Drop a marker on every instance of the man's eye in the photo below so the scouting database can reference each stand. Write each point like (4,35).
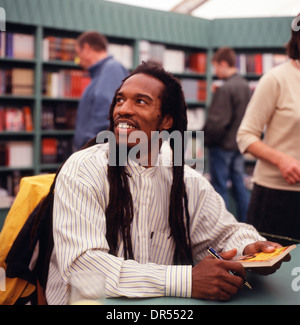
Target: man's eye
(120,100)
(141,101)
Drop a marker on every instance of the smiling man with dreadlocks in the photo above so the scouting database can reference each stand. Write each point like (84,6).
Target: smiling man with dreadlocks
(147,226)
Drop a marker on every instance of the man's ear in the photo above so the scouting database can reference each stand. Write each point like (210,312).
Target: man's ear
(167,122)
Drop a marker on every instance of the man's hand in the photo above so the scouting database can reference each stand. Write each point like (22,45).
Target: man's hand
(211,278)
(266,247)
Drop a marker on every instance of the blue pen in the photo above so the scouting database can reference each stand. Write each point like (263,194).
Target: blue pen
(219,257)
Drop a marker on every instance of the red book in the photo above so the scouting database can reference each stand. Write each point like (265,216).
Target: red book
(258,64)
(2,118)
(27,118)
(49,150)
(202,90)
(85,81)
(198,62)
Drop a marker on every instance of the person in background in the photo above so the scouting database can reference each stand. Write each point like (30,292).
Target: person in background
(225,113)
(147,226)
(106,75)
(270,131)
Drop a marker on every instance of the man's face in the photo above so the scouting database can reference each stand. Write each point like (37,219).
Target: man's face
(220,69)
(83,54)
(138,108)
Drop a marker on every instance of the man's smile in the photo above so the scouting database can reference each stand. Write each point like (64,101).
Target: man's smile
(123,125)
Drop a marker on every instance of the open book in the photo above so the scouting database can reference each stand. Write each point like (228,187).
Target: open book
(264,259)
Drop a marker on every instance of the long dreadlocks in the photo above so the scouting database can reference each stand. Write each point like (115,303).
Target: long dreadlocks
(119,212)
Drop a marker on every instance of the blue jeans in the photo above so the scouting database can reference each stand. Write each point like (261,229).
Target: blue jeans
(227,166)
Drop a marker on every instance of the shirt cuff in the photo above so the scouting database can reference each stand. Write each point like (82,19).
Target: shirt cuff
(179,281)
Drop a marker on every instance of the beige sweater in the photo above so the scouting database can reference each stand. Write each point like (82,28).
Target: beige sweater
(275,109)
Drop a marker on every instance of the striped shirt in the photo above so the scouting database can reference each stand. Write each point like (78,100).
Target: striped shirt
(79,228)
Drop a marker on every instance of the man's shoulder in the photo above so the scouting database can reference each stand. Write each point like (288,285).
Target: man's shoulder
(112,63)
(194,176)
(235,80)
(94,157)
(197,185)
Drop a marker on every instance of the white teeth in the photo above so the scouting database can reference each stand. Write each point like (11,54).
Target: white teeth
(125,126)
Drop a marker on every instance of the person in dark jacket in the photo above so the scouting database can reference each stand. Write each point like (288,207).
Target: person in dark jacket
(106,76)
(225,114)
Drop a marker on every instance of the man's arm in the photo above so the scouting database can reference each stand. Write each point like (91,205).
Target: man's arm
(214,226)
(211,278)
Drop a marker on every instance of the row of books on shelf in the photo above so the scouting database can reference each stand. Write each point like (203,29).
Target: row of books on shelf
(173,60)
(56,150)
(16,154)
(16,45)
(65,83)
(14,118)
(59,116)
(19,154)
(194,90)
(63,49)
(122,53)
(9,186)
(17,81)
(19,45)
(258,63)
(59,48)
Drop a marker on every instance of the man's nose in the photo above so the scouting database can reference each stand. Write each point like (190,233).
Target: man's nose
(127,108)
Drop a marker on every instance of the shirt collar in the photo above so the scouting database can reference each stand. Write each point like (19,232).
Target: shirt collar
(164,161)
(231,76)
(96,68)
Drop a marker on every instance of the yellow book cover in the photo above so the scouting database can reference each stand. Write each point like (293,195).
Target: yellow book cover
(264,259)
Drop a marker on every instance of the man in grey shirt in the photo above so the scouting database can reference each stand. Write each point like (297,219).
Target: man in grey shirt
(225,114)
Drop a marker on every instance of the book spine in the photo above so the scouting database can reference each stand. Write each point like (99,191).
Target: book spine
(9,45)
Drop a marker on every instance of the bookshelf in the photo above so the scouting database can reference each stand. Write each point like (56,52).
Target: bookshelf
(181,39)
(17,109)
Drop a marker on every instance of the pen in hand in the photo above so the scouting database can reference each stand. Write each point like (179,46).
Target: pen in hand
(217,256)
